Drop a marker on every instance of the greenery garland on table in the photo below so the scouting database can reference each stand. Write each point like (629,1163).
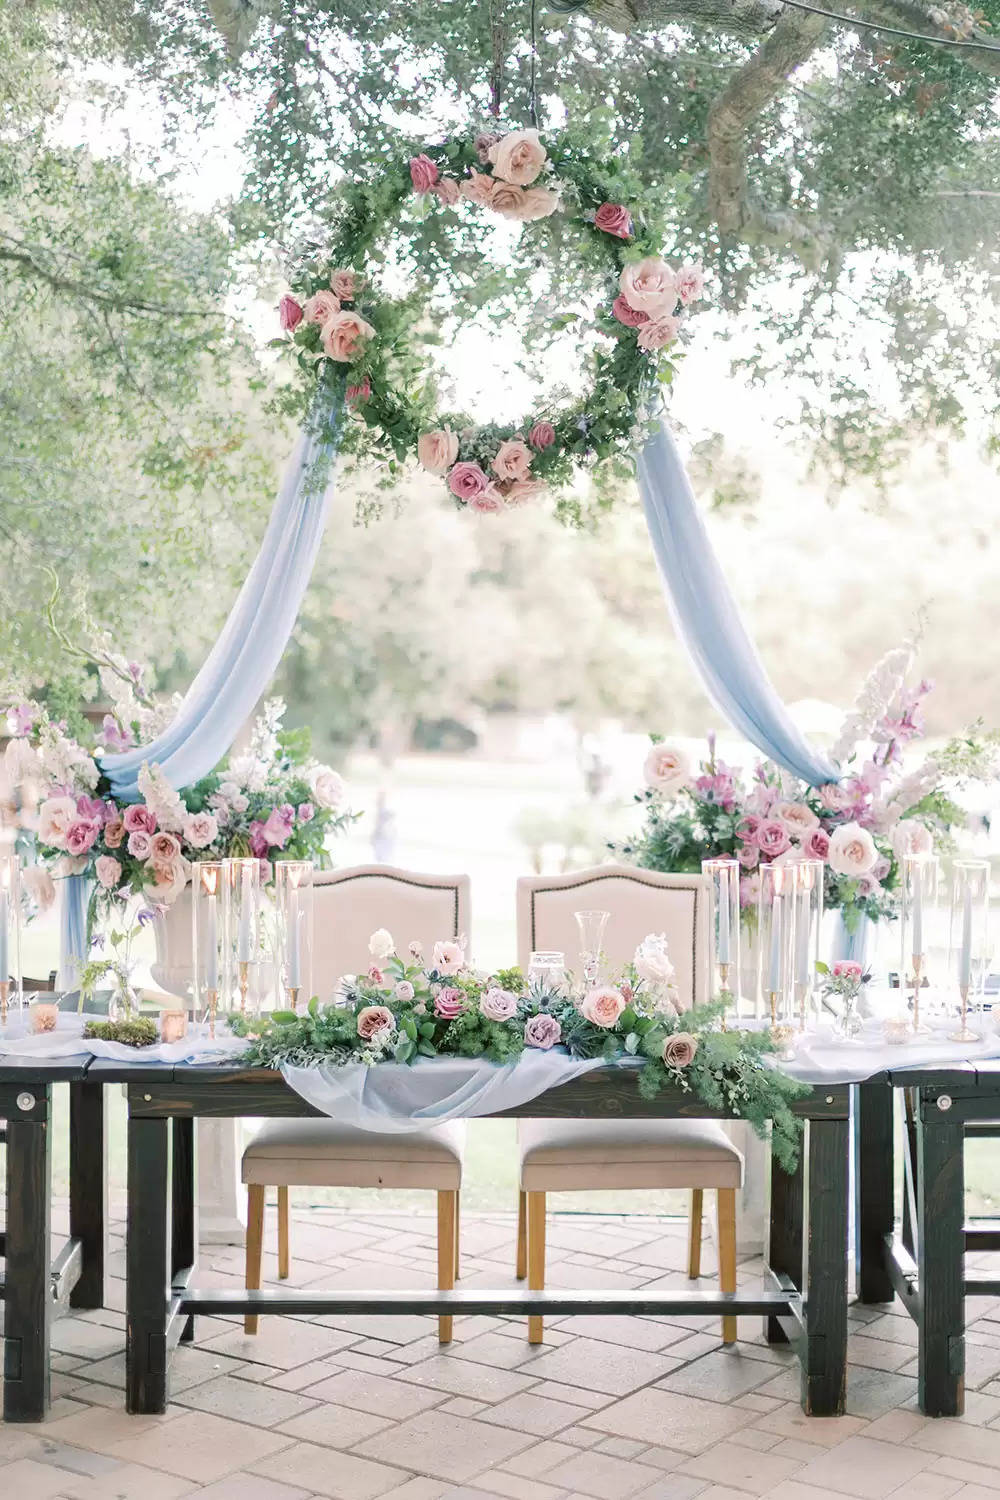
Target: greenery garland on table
(401,1010)
(341,320)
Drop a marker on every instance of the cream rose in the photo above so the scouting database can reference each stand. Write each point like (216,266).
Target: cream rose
(40,886)
(912,839)
(603,1006)
(538,203)
(344,335)
(666,769)
(513,459)
(437,450)
(326,786)
(518,157)
(798,819)
(852,851)
(649,286)
(652,962)
(447,957)
(201,829)
(55,818)
(381,945)
(170,881)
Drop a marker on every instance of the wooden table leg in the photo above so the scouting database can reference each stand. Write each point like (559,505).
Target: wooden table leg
(28,1291)
(874,1186)
(184,1219)
(785,1235)
(940,1256)
(147,1260)
(88,1189)
(823,1346)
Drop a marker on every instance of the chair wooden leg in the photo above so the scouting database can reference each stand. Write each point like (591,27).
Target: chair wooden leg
(447,1224)
(522,1237)
(535,1215)
(458,1235)
(694,1234)
(725,1200)
(283,1244)
(255,1247)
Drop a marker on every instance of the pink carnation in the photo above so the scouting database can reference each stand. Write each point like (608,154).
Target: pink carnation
(290,314)
(466,480)
(627,314)
(423,173)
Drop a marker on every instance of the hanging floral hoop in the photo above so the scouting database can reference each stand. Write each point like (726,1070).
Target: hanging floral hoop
(340,321)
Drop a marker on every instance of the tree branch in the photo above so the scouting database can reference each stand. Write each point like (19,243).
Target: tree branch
(747,19)
(951,23)
(761,80)
(14,252)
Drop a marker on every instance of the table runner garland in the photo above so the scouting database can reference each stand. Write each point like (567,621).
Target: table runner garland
(340,320)
(406,1008)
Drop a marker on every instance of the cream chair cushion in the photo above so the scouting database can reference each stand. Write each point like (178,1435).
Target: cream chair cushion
(326,1153)
(572,1155)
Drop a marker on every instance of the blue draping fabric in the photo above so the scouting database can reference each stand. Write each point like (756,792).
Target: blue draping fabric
(707,618)
(73,928)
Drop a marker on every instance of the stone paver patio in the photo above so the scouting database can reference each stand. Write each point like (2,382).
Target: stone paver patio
(609,1409)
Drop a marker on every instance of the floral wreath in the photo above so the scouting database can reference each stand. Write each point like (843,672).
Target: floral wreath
(341,323)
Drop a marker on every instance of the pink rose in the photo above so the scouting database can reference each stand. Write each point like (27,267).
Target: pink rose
(355,394)
(467,479)
(603,1006)
(614,219)
(447,191)
(170,880)
(489,502)
(108,871)
(748,855)
(258,843)
(114,832)
(847,968)
(164,850)
(201,829)
(290,314)
(628,315)
(345,285)
(835,798)
(817,845)
(649,286)
(513,459)
(447,957)
(523,490)
(345,336)
(772,838)
(497,1004)
(138,844)
(747,826)
(437,450)
(882,867)
(690,283)
(449,1002)
(320,307)
(542,435)
(81,836)
(139,819)
(679,1049)
(305,812)
(658,332)
(375,1018)
(423,173)
(477,188)
(375,976)
(518,157)
(542,1031)
(798,818)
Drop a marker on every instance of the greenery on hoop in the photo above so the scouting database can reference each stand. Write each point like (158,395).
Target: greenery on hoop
(389,385)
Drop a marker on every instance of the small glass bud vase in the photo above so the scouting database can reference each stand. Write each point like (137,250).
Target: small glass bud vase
(808,921)
(970,938)
(917,909)
(724,931)
(293,894)
(10,935)
(207,937)
(242,887)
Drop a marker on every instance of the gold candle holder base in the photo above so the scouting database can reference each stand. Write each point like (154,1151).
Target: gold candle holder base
(725,971)
(4,1000)
(292,991)
(213,1009)
(964,1032)
(919,1028)
(801,1000)
(244,978)
(774,996)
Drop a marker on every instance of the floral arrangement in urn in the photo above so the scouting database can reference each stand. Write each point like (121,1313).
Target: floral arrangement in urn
(860,826)
(272,801)
(410,1007)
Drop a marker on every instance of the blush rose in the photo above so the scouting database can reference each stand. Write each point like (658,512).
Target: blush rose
(518,157)
(603,1006)
(344,336)
(373,1019)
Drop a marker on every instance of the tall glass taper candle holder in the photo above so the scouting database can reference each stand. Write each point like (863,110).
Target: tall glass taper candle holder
(241,881)
(969,941)
(10,934)
(917,907)
(293,894)
(775,924)
(807,880)
(208,937)
(591,926)
(724,929)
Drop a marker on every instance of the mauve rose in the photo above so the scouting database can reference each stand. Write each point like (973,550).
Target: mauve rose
(518,157)
(658,332)
(138,819)
(489,502)
(690,283)
(542,435)
(447,191)
(163,849)
(108,872)
(114,832)
(868,885)
(603,1006)
(355,394)
(483,143)
(649,286)
(320,307)
(852,850)
(449,1002)
(679,1049)
(467,479)
(305,812)
(772,838)
(628,315)
(81,836)
(201,829)
(613,218)
(437,450)
(138,844)
(376,976)
(497,1004)
(258,843)
(423,173)
(834,797)
(513,459)
(345,335)
(290,314)
(345,285)
(277,830)
(817,844)
(542,1031)
(882,867)
(375,1018)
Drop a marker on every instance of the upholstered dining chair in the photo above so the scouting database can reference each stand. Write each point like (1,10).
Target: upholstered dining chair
(350,905)
(588,1155)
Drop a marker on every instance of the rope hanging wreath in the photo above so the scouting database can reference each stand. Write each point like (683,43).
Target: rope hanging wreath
(342,320)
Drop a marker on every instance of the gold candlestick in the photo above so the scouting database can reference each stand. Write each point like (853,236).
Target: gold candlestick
(293,995)
(920,1028)
(725,970)
(244,971)
(802,995)
(774,997)
(4,1000)
(782,1034)
(964,1032)
(213,1006)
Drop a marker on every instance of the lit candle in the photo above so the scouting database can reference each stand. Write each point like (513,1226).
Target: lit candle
(774,982)
(917,893)
(243,936)
(965,957)
(173,1025)
(802,933)
(44,1017)
(294,966)
(723,875)
(4,926)
(211,932)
